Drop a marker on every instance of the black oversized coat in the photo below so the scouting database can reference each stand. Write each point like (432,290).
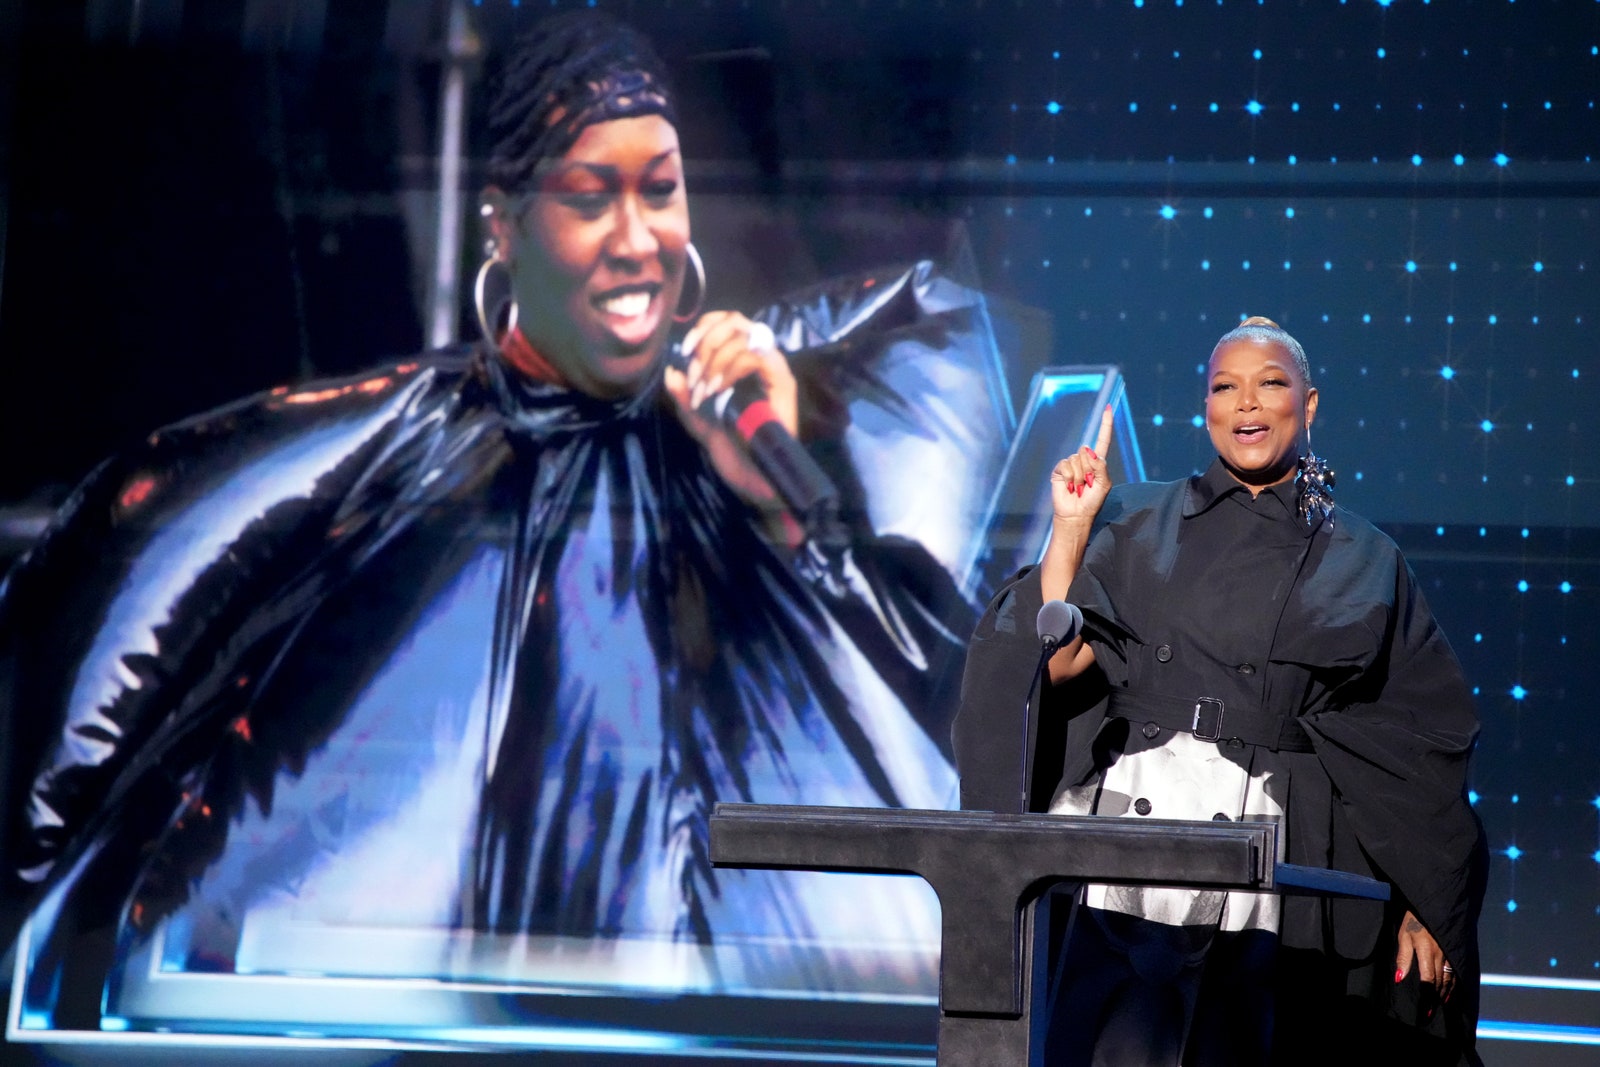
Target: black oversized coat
(1358,660)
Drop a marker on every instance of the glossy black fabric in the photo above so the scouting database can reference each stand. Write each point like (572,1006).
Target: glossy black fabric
(1183,584)
(281,623)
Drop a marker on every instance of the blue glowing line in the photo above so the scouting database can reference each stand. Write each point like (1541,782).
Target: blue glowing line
(1535,981)
(1560,1035)
(1056,384)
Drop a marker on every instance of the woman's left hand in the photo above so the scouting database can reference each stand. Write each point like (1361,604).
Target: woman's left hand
(1418,947)
(721,353)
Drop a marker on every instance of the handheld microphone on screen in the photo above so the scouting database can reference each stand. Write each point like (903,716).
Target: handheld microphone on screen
(802,485)
(1056,624)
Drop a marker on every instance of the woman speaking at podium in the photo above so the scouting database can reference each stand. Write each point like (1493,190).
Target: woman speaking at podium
(1250,651)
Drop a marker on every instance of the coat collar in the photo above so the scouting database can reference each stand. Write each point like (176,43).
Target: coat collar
(1204,490)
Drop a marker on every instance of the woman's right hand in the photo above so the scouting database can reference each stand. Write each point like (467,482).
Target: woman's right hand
(1078,487)
(1079,483)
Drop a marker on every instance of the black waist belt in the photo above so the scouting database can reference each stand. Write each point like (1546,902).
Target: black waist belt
(1208,720)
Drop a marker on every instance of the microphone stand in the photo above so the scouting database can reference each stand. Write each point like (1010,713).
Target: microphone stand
(1050,645)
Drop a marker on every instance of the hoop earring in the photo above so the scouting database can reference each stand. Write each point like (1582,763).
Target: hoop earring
(488,322)
(699,270)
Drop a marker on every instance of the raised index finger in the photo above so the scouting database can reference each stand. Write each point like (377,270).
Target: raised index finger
(1102,445)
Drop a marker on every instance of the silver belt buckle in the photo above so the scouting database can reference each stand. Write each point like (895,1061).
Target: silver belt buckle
(1207,724)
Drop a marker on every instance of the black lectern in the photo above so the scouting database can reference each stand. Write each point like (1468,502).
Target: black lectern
(987,869)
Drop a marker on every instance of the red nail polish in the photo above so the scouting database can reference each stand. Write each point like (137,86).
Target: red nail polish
(1398,974)
(1093,453)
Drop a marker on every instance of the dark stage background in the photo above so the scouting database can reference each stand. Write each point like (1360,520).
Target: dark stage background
(200,200)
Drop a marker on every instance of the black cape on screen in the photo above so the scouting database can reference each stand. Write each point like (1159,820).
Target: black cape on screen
(439,646)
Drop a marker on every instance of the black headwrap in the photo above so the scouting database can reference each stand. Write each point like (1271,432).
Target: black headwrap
(567,73)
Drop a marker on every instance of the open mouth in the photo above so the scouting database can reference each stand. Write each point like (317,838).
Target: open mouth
(630,312)
(1249,433)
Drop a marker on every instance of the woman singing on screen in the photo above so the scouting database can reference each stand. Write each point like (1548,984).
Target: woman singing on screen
(474,643)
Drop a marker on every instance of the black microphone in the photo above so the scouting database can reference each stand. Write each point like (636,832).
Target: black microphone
(802,485)
(1057,623)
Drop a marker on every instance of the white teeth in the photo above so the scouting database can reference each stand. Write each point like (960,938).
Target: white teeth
(627,305)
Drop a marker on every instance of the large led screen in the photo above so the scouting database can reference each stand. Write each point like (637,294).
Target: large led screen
(362,695)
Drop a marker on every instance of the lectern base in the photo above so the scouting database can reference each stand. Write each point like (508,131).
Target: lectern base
(994,874)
